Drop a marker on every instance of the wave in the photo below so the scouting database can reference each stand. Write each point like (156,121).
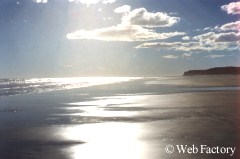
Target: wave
(38,85)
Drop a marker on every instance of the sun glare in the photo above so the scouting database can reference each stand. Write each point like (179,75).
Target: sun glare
(107,141)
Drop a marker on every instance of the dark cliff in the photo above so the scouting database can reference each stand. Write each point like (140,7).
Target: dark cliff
(214,71)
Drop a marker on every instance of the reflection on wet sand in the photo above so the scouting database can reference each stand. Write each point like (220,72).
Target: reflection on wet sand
(98,107)
(123,130)
(134,120)
(106,140)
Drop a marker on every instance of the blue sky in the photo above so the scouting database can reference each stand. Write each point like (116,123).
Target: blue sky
(62,38)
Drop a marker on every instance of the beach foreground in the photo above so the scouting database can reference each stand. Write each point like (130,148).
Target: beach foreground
(148,118)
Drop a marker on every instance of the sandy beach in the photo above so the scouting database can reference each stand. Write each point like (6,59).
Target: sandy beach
(131,120)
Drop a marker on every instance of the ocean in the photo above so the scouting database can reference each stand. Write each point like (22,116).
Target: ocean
(15,86)
(120,117)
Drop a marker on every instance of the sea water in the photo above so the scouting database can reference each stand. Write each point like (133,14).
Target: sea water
(15,86)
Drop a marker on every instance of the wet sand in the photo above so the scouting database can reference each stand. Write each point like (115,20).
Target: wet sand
(132,120)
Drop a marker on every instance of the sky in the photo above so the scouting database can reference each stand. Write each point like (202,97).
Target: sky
(66,38)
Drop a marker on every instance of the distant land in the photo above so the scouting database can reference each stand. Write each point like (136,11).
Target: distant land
(214,71)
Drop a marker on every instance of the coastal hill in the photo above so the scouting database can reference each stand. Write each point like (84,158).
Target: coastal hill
(214,71)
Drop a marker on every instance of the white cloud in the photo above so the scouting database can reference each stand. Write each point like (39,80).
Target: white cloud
(216,28)
(186,38)
(228,37)
(207,28)
(212,37)
(190,46)
(219,38)
(41,1)
(123,9)
(232,8)
(88,2)
(134,27)
(216,56)
(170,57)
(144,18)
(231,26)
(211,41)
(186,55)
(177,46)
(122,33)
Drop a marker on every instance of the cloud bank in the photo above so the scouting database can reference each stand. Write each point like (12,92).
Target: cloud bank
(232,8)
(122,33)
(144,18)
(135,26)
(205,42)
(231,26)
(123,9)
(219,38)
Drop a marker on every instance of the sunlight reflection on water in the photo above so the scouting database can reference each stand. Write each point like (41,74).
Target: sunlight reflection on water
(39,85)
(110,140)
(98,107)
(107,141)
